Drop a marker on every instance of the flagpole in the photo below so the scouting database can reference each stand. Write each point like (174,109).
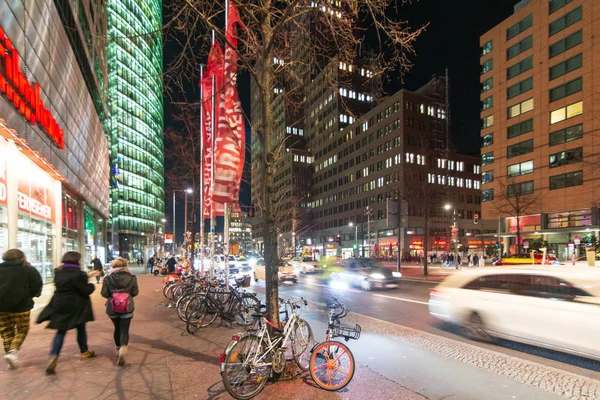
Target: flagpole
(227,210)
(212,175)
(201,174)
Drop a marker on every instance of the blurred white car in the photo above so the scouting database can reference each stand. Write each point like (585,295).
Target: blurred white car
(286,271)
(556,308)
(305,265)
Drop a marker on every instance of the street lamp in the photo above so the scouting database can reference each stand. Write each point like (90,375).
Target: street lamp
(351,224)
(454,235)
(186,191)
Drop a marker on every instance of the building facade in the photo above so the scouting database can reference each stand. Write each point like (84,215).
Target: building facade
(53,148)
(240,232)
(540,108)
(136,125)
(398,150)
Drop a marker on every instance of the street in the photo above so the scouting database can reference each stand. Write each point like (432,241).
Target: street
(415,367)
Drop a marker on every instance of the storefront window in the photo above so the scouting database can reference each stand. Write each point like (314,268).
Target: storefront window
(36,238)
(570,219)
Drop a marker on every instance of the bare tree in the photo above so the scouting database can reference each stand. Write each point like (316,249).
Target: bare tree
(515,199)
(183,156)
(303,34)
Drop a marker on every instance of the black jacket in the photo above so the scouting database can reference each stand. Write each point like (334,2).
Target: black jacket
(70,306)
(18,285)
(123,281)
(171,265)
(97,264)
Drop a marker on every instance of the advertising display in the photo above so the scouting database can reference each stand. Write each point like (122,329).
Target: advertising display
(36,190)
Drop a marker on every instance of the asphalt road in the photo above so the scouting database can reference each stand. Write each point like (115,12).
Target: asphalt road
(407,306)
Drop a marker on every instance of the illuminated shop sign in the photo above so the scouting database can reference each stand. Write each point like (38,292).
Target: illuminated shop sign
(25,97)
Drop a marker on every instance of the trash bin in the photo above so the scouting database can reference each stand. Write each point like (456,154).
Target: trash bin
(590,253)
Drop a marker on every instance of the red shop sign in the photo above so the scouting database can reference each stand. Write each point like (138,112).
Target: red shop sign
(25,97)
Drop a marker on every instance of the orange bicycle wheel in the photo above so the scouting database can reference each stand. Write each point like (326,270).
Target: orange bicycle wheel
(332,365)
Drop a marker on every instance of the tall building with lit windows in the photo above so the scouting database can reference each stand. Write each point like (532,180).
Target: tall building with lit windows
(136,125)
(540,116)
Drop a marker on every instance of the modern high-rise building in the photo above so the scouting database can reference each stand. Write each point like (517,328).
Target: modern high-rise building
(136,125)
(540,121)
(54,180)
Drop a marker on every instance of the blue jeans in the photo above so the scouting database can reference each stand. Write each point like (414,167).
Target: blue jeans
(57,343)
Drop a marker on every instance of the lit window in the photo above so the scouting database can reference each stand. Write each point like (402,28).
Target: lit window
(422,108)
(567,112)
(520,108)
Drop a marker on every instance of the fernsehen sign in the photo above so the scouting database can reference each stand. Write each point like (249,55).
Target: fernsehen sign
(25,97)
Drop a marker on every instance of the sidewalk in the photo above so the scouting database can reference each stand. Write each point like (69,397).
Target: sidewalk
(164,362)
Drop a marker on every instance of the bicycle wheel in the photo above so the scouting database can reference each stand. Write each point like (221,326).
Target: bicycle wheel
(243,308)
(166,288)
(241,378)
(302,340)
(200,316)
(332,365)
(184,303)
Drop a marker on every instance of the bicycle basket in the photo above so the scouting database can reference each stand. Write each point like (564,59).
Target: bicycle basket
(347,332)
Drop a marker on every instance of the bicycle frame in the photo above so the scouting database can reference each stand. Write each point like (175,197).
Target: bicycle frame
(283,338)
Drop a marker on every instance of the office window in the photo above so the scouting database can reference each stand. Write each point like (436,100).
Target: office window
(567,112)
(556,5)
(565,44)
(565,21)
(487,66)
(519,27)
(519,189)
(523,168)
(487,103)
(566,180)
(487,195)
(567,157)
(519,129)
(567,66)
(519,67)
(487,84)
(566,135)
(520,108)
(487,177)
(488,140)
(486,48)
(487,158)
(521,87)
(520,47)
(519,149)
(488,121)
(567,89)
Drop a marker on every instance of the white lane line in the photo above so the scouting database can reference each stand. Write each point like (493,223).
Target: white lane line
(401,299)
(327,286)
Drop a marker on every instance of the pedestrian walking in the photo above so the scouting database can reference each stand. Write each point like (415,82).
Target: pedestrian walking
(120,287)
(171,263)
(475,260)
(19,284)
(69,308)
(98,267)
(150,264)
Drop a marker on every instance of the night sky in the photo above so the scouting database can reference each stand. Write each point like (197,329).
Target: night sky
(450,41)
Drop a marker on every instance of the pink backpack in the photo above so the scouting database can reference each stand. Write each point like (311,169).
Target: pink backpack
(120,302)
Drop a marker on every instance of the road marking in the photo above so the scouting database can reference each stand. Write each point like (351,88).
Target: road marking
(401,299)
(327,286)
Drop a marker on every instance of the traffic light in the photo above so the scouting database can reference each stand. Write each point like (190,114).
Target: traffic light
(476,219)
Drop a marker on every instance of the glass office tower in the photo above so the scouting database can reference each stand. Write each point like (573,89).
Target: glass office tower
(136,125)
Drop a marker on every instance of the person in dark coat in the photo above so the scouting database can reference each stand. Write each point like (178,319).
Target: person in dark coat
(475,260)
(171,263)
(150,264)
(70,307)
(120,280)
(98,267)
(19,284)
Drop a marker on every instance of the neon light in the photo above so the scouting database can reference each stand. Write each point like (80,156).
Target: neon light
(25,97)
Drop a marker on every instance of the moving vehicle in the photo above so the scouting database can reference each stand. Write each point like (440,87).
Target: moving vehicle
(286,271)
(525,259)
(365,273)
(305,265)
(556,308)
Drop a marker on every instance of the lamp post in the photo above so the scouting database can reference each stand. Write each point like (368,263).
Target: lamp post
(369,214)
(454,235)
(351,224)
(294,242)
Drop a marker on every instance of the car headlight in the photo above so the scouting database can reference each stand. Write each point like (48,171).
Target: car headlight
(396,274)
(377,276)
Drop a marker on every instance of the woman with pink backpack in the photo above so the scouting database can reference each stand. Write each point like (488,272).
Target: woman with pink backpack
(120,287)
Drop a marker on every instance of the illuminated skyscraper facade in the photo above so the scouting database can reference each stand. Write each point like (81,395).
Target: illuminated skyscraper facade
(136,125)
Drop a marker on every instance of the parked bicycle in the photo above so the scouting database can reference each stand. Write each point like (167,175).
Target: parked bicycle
(251,358)
(332,363)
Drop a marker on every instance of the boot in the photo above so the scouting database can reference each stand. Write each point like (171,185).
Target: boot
(122,355)
(87,354)
(51,367)
(12,359)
